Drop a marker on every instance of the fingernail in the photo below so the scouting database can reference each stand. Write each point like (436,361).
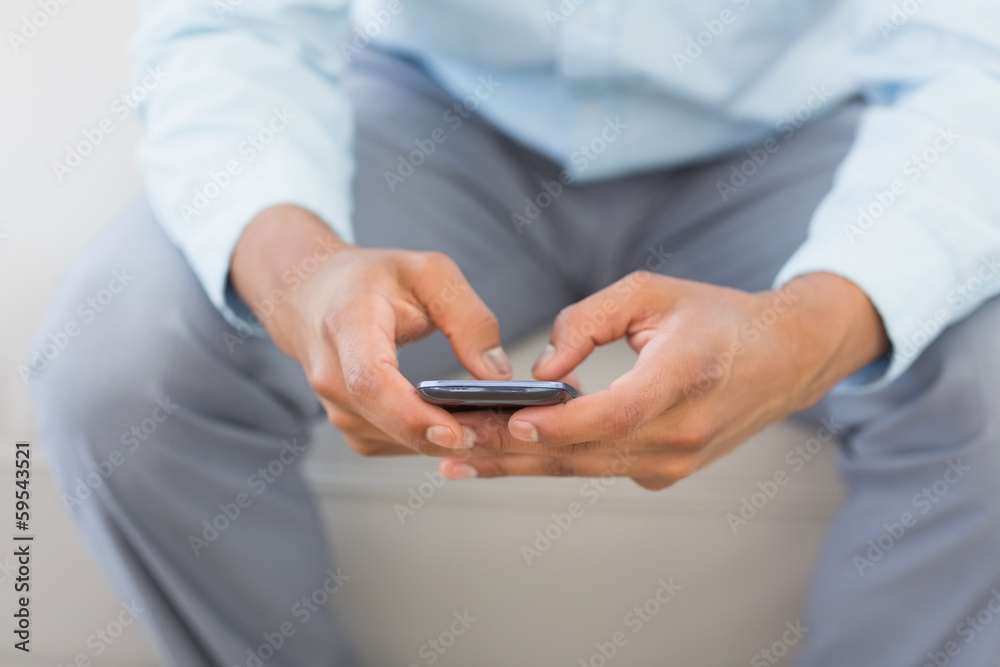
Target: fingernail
(442,437)
(457,471)
(544,356)
(468,437)
(497,360)
(524,431)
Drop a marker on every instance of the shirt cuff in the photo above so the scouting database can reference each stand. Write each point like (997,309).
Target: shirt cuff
(903,271)
(209,236)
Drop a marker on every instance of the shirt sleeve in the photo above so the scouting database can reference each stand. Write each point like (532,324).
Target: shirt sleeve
(244,110)
(913,217)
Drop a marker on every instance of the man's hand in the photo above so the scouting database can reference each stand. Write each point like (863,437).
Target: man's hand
(715,366)
(340,311)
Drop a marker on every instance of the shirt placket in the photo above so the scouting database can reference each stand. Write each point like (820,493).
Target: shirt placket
(586,48)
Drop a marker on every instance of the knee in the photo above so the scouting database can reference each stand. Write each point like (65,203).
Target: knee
(97,364)
(95,401)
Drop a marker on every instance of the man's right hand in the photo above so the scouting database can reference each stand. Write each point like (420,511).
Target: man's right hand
(341,311)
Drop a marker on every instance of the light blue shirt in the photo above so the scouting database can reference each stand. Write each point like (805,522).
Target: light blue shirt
(250,113)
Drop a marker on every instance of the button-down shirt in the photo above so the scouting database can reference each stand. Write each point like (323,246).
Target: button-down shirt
(244,109)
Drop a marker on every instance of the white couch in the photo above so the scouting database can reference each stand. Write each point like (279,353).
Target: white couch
(462,549)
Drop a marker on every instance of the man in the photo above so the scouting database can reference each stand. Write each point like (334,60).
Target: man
(782,205)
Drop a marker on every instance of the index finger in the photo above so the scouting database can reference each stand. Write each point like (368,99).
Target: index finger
(366,347)
(465,320)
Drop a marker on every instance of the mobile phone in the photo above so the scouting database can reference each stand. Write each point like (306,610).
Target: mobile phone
(482,394)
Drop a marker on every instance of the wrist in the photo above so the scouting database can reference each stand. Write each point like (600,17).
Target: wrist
(837,330)
(277,251)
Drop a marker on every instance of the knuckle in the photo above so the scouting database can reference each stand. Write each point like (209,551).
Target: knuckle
(324,382)
(627,287)
(703,373)
(412,438)
(486,322)
(343,421)
(689,439)
(410,431)
(698,387)
(495,422)
(557,434)
(500,445)
(435,261)
(640,276)
(425,448)
(366,447)
(565,318)
(492,469)
(336,318)
(362,385)
(693,433)
(676,469)
(582,448)
(624,419)
(363,382)
(492,435)
(557,466)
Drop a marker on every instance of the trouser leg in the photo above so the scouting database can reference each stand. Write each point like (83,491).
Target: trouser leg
(176,451)
(910,572)
(195,422)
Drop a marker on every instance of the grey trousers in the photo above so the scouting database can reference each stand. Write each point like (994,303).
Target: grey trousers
(155,391)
